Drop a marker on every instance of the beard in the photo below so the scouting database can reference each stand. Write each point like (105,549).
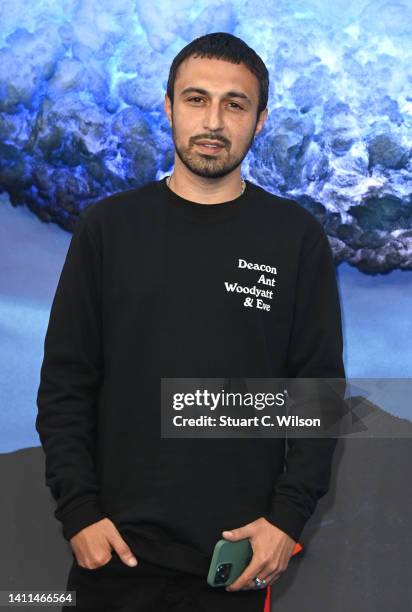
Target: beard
(210,166)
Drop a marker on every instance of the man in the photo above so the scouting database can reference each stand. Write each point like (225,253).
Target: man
(149,291)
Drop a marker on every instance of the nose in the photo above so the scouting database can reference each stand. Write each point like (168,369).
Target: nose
(213,118)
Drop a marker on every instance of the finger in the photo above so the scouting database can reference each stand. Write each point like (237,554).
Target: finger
(252,584)
(96,561)
(123,550)
(269,578)
(255,568)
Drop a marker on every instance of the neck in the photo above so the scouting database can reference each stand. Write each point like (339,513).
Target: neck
(206,190)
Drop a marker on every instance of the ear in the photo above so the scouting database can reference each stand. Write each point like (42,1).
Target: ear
(262,118)
(168,109)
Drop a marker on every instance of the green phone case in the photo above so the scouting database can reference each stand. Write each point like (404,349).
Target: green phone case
(237,554)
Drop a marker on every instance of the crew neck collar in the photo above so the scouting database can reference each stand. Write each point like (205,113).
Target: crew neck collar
(202,211)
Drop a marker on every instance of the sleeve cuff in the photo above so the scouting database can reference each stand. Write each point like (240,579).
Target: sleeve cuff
(81,516)
(288,519)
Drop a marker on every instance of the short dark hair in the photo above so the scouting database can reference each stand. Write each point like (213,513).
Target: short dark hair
(222,45)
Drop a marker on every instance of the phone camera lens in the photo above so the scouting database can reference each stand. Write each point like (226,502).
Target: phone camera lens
(222,573)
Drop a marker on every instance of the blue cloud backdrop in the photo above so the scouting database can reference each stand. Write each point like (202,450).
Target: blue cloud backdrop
(81,116)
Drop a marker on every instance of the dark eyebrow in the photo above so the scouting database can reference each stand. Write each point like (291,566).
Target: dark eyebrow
(228,94)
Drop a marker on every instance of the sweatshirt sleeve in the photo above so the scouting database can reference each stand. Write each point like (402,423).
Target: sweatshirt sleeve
(69,382)
(315,351)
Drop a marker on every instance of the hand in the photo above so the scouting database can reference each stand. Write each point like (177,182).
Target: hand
(93,545)
(272,550)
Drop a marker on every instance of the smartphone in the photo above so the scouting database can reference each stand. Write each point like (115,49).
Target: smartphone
(229,560)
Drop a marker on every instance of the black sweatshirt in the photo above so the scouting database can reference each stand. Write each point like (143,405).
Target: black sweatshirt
(141,296)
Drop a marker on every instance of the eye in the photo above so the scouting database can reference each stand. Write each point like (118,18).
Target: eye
(194,98)
(237,105)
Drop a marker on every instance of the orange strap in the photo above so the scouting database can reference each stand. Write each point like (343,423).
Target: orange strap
(266,608)
(267,600)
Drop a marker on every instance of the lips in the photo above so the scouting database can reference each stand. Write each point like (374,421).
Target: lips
(209,150)
(210,144)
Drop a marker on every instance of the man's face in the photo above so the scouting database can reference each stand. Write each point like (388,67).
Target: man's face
(221,105)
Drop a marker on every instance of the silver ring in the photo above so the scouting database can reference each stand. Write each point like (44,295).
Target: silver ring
(259,582)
